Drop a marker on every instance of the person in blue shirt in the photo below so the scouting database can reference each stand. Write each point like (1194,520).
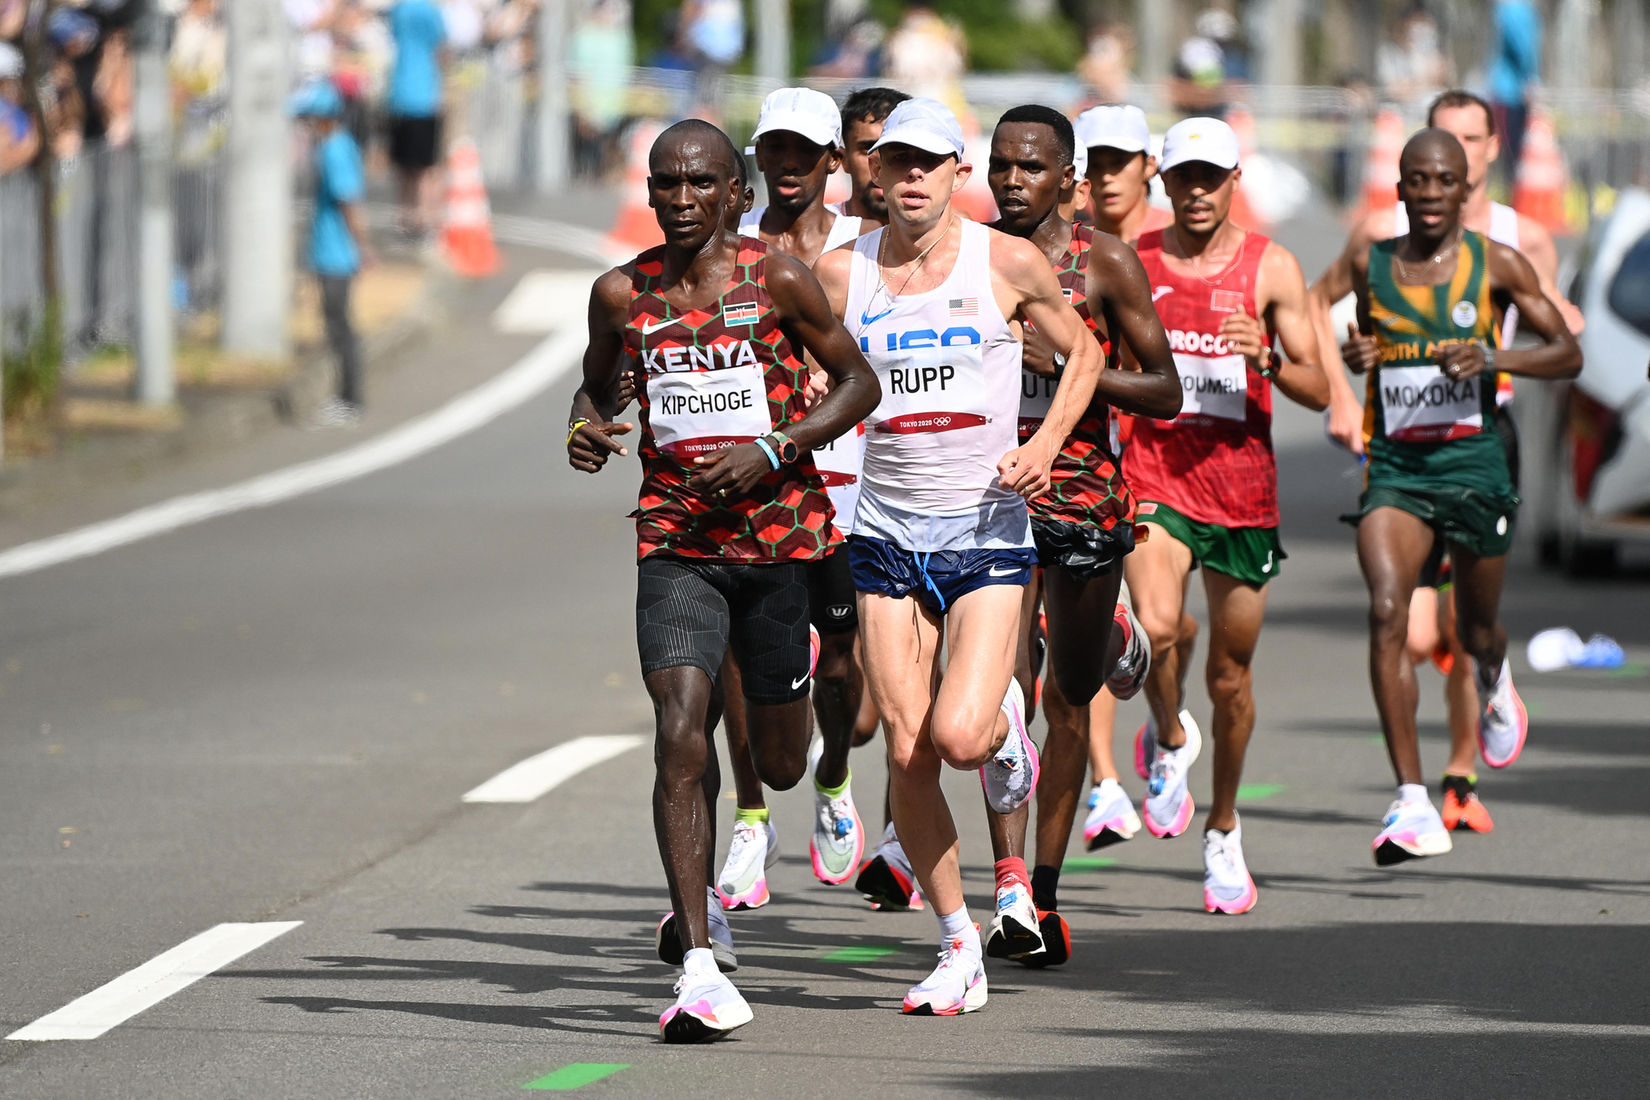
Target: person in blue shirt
(1515,64)
(415,102)
(337,238)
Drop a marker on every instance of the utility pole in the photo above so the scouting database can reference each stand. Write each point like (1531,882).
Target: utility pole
(1280,58)
(773,43)
(555,142)
(257,229)
(1154,17)
(152,121)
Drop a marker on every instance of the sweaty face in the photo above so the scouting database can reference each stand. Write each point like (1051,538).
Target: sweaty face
(1201,194)
(795,168)
(692,191)
(1433,186)
(1027,172)
(1471,127)
(1120,180)
(916,183)
(856,161)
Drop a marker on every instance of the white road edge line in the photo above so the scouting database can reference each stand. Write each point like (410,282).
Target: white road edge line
(532,374)
(116,1002)
(537,775)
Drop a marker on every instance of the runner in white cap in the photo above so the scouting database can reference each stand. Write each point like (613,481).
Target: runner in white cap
(942,542)
(1118,144)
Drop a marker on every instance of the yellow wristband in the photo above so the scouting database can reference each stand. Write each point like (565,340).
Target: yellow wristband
(573,428)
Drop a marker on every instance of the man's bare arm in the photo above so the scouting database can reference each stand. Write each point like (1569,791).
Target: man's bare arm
(591,444)
(1560,356)
(1120,292)
(1282,288)
(805,309)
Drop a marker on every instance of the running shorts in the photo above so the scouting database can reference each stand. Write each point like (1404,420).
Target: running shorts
(1085,552)
(1252,555)
(831,597)
(1436,572)
(692,611)
(937,579)
(415,142)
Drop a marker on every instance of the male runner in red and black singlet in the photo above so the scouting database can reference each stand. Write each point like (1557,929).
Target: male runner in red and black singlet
(1084,524)
(1207,481)
(729,509)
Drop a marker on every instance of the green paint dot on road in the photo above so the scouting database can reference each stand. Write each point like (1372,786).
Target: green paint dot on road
(860,953)
(1087,863)
(1254,792)
(1630,670)
(575,1076)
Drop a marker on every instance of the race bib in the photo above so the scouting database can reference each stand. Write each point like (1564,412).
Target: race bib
(1423,405)
(931,389)
(1036,398)
(1216,386)
(694,413)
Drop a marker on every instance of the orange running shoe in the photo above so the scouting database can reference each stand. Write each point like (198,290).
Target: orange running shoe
(1462,810)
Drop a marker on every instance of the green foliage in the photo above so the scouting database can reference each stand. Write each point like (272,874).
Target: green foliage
(31,375)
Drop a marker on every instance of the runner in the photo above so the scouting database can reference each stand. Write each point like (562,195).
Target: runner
(1207,481)
(1084,525)
(862,118)
(1426,335)
(798,146)
(1432,613)
(727,514)
(942,541)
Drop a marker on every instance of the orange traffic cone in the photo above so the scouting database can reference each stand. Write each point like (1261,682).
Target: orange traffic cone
(1381,169)
(1243,212)
(636,229)
(468,238)
(1539,190)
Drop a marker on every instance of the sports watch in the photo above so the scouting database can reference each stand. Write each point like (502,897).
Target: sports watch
(783,447)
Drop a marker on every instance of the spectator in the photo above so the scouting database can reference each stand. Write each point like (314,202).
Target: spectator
(19,137)
(338,238)
(311,22)
(1515,65)
(714,31)
(1410,66)
(13,15)
(926,56)
(200,53)
(360,59)
(113,87)
(599,56)
(856,55)
(1108,63)
(415,104)
(1205,66)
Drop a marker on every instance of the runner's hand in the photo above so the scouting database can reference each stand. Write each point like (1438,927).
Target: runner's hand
(1359,352)
(1461,361)
(1025,470)
(1036,352)
(593,444)
(628,386)
(731,472)
(1247,337)
(1346,423)
(815,388)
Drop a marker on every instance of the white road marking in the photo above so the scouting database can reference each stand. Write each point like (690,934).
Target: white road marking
(532,374)
(118,1001)
(542,301)
(548,770)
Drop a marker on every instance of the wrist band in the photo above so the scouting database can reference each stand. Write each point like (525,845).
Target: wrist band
(573,428)
(1269,368)
(773,455)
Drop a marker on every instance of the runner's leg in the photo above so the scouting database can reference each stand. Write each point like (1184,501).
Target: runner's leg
(1392,546)
(1460,697)
(1235,613)
(683,815)
(747,787)
(1102,728)
(1478,583)
(1157,571)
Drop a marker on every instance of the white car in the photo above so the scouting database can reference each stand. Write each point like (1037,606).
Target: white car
(1586,442)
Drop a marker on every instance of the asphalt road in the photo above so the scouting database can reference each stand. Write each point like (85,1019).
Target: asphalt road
(273,716)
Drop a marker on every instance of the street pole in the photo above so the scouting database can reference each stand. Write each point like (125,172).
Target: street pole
(555,141)
(1153,18)
(152,124)
(1280,59)
(257,228)
(773,43)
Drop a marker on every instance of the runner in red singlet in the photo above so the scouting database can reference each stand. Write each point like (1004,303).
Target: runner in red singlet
(1207,481)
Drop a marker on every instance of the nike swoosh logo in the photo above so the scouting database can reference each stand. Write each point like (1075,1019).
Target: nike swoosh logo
(1001,571)
(657,325)
(1267,568)
(867,319)
(799,682)
(1160,291)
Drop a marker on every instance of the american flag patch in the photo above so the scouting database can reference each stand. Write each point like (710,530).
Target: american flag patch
(740,313)
(964,307)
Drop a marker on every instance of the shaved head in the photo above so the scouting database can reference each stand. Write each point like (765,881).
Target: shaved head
(1433,142)
(696,132)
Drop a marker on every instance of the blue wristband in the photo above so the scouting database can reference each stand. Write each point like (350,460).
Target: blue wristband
(767,449)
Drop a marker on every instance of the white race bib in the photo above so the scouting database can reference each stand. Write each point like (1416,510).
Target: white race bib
(697,412)
(1036,398)
(1423,405)
(1215,386)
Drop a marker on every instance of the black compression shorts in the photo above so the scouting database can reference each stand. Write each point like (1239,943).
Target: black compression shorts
(832,601)
(1087,552)
(691,612)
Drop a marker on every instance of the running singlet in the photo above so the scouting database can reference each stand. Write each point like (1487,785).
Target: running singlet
(950,371)
(711,379)
(1214,462)
(1503,228)
(839,463)
(843,228)
(1412,406)
(1086,486)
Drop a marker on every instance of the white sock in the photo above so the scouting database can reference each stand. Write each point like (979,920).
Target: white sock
(699,961)
(958,926)
(1412,792)
(1108,785)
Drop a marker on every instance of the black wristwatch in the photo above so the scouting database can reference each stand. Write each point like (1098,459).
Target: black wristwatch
(784,447)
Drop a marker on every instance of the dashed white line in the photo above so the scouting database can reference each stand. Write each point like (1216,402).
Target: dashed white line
(548,770)
(116,1002)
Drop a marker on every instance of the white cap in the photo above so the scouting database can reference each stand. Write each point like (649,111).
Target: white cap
(925,124)
(1113,128)
(804,111)
(1199,139)
(11,62)
(1080,161)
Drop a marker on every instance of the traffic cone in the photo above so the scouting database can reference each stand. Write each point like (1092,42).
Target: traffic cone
(1244,212)
(636,229)
(1539,189)
(468,237)
(1381,170)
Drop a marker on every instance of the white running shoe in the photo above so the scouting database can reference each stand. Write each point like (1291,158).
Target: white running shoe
(1015,930)
(1168,804)
(1136,660)
(886,880)
(1502,721)
(1227,887)
(1111,818)
(839,837)
(1011,775)
(668,941)
(743,883)
(1410,830)
(956,986)
(707,1007)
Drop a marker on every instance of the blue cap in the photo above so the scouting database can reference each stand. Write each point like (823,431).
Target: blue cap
(317,99)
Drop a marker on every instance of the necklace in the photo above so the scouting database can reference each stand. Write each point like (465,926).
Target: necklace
(1197,261)
(1410,275)
(882,252)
